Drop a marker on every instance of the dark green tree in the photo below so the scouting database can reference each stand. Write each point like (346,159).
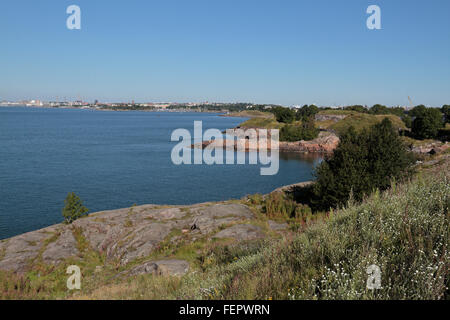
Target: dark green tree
(417,111)
(361,163)
(284,115)
(358,108)
(407,120)
(427,123)
(306,131)
(73,208)
(379,109)
(446,111)
(306,112)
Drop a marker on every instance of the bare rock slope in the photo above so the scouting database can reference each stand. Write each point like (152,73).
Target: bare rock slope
(125,235)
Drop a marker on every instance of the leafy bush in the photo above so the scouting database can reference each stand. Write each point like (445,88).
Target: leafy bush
(305,131)
(380,109)
(278,205)
(407,120)
(357,108)
(446,111)
(417,111)
(281,205)
(306,112)
(255,199)
(361,163)
(284,115)
(362,121)
(427,123)
(73,208)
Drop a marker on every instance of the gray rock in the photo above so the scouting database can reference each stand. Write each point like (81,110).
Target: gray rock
(328,117)
(241,232)
(277,226)
(19,251)
(64,247)
(123,235)
(161,267)
(140,242)
(209,218)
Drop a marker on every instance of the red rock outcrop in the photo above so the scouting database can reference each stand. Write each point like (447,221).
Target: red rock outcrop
(326,142)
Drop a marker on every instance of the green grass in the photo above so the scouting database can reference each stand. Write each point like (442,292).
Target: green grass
(265,123)
(251,114)
(361,120)
(354,118)
(338,112)
(417,143)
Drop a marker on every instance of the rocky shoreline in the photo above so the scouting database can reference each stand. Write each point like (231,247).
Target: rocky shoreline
(124,236)
(325,143)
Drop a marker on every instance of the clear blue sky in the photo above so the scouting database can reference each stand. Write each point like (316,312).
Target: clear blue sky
(286,52)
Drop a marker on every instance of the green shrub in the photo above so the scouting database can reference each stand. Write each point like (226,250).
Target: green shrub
(284,115)
(427,123)
(278,205)
(357,108)
(303,212)
(407,120)
(380,109)
(73,208)
(306,112)
(281,205)
(255,199)
(306,131)
(361,163)
(446,111)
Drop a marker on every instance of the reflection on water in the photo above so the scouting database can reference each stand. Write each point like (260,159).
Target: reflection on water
(312,158)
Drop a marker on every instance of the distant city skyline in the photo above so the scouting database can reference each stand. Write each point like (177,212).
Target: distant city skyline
(268,52)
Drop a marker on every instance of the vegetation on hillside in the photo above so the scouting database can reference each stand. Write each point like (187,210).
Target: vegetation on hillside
(360,121)
(419,123)
(427,122)
(306,112)
(304,131)
(361,163)
(446,111)
(250,114)
(404,231)
(265,123)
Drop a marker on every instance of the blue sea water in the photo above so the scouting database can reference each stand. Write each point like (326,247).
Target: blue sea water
(113,160)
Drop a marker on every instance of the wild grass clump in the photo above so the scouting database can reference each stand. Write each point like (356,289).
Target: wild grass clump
(255,199)
(279,205)
(219,254)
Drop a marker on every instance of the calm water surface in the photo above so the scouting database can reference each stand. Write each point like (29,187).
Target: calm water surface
(113,160)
